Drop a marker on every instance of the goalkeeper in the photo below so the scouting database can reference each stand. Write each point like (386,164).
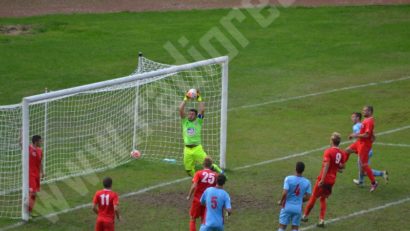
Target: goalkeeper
(191,132)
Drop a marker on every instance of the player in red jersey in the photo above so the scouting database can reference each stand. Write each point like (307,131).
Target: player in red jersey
(363,144)
(35,170)
(333,161)
(202,180)
(106,207)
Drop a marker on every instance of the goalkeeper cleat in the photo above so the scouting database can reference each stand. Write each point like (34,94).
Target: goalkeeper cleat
(321,223)
(357,182)
(386,176)
(304,218)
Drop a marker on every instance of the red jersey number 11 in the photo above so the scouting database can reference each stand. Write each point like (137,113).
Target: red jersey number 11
(105,199)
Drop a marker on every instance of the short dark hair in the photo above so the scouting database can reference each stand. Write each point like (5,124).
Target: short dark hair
(35,139)
(300,167)
(370,108)
(107,182)
(335,138)
(194,110)
(208,162)
(358,115)
(221,180)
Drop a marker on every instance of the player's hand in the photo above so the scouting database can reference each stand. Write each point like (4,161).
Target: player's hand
(227,214)
(321,183)
(186,96)
(373,138)
(188,198)
(279,202)
(198,95)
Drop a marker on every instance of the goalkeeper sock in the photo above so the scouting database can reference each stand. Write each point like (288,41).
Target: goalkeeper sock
(217,169)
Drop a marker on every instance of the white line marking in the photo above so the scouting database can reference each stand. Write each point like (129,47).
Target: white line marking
(395,145)
(361,212)
(319,93)
(144,190)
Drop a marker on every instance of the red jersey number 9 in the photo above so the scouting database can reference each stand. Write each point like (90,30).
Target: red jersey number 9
(338,158)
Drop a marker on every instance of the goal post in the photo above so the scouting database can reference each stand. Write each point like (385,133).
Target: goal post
(138,111)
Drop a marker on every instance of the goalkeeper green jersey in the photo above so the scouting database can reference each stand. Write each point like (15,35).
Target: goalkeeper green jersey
(191,131)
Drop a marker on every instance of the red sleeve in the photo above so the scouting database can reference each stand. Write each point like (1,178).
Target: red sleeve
(95,199)
(196,177)
(326,156)
(115,200)
(345,156)
(369,125)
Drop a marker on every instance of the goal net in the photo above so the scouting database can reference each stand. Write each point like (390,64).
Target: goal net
(94,127)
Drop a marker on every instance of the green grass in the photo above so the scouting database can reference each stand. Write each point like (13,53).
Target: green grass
(306,50)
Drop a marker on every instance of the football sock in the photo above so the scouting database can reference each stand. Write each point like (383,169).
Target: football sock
(361,177)
(377,172)
(216,168)
(192,225)
(32,200)
(310,205)
(369,172)
(322,208)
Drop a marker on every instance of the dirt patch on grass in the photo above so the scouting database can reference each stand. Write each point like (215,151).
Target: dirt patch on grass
(178,200)
(163,199)
(244,202)
(15,29)
(21,8)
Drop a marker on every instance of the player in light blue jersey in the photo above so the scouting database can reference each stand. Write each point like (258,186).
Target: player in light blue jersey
(216,201)
(357,125)
(296,190)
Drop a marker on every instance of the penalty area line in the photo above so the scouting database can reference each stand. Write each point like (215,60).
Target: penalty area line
(359,213)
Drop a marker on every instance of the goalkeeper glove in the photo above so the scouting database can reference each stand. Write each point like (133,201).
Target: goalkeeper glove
(186,96)
(198,96)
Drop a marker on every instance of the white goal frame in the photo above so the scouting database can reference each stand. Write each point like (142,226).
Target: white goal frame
(66,92)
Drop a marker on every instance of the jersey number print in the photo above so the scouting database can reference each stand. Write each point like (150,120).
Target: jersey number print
(107,199)
(208,178)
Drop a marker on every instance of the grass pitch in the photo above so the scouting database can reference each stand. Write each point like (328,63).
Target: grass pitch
(304,51)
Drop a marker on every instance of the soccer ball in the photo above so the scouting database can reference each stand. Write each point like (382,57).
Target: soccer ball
(192,93)
(135,154)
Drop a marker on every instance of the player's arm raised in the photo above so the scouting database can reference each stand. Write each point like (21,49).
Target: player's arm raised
(182,106)
(201,105)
